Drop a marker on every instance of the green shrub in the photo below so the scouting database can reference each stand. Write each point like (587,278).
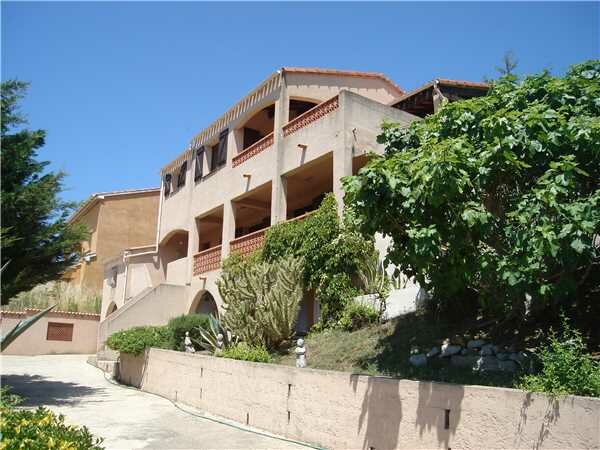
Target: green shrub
(262,301)
(40,429)
(136,340)
(358,315)
(332,252)
(566,367)
(186,322)
(246,352)
(496,196)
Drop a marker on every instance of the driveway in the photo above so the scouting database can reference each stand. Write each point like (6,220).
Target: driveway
(125,418)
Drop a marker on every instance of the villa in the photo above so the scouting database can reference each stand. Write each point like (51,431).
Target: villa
(270,158)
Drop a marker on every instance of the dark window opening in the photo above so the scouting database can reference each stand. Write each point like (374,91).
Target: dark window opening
(251,136)
(181,175)
(199,163)
(219,151)
(167,184)
(299,107)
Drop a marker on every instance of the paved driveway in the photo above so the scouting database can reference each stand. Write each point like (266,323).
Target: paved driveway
(126,418)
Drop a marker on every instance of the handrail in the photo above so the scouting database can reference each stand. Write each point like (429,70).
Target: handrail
(311,115)
(248,243)
(260,145)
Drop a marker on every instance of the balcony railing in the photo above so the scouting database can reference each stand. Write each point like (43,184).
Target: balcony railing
(207,260)
(310,116)
(249,243)
(253,150)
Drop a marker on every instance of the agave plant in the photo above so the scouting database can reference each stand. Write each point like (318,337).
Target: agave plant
(209,336)
(20,328)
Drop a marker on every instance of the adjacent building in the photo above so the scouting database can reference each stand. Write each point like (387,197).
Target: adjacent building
(270,158)
(115,220)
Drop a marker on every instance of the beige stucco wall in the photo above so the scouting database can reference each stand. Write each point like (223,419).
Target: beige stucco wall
(343,411)
(33,341)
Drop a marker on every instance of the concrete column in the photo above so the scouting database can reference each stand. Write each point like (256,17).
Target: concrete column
(228,227)
(278,188)
(193,240)
(343,151)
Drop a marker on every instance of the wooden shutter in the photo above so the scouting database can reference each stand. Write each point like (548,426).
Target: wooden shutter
(167,184)
(199,163)
(59,331)
(222,150)
(181,175)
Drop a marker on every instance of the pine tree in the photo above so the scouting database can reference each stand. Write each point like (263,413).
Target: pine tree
(37,242)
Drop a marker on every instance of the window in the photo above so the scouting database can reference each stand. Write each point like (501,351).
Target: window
(113,277)
(181,175)
(167,184)
(59,331)
(199,163)
(219,151)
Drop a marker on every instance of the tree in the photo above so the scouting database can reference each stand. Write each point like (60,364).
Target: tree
(496,198)
(37,242)
(509,64)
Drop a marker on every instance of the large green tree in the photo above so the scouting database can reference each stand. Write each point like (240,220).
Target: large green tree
(496,198)
(37,242)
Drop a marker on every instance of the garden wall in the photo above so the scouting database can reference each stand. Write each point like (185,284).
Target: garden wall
(343,411)
(58,332)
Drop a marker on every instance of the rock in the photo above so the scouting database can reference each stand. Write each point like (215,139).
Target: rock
(475,343)
(458,340)
(449,350)
(502,356)
(507,366)
(469,362)
(434,351)
(519,357)
(487,350)
(487,364)
(419,360)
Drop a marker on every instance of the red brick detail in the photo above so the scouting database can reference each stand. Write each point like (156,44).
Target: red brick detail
(249,243)
(312,115)
(253,150)
(207,260)
(59,331)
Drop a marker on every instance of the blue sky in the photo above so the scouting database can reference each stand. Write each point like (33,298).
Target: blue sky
(121,88)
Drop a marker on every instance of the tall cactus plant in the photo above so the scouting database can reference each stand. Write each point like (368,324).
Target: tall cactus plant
(262,301)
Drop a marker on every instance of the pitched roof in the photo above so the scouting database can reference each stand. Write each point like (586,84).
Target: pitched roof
(445,82)
(98,196)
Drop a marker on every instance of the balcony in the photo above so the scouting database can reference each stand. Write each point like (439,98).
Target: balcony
(310,116)
(253,150)
(207,260)
(248,243)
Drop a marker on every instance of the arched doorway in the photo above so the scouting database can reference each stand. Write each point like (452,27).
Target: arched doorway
(204,303)
(173,248)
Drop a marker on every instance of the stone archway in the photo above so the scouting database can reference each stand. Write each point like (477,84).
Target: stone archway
(204,303)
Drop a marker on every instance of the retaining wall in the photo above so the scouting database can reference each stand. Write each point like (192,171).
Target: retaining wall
(38,341)
(344,411)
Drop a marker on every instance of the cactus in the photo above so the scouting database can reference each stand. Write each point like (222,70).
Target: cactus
(262,300)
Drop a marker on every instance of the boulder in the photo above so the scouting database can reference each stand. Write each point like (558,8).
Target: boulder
(502,356)
(465,362)
(487,350)
(475,343)
(449,350)
(488,364)
(419,360)
(434,351)
(507,366)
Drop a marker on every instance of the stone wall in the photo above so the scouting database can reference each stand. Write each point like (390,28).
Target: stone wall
(344,411)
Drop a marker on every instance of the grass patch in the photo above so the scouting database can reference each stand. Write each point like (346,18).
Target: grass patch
(384,349)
